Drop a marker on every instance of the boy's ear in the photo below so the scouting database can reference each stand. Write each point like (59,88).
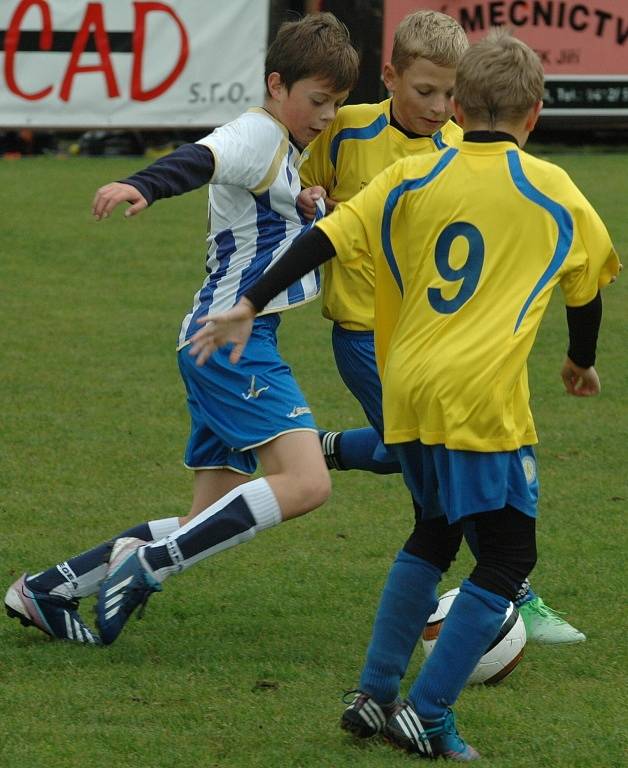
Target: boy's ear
(389,76)
(459,114)
(533,116)
(275,85)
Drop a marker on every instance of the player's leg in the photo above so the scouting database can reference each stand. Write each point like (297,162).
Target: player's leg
(211,485)
(49,600)
(298,482)
(543,624)
(508,554)
(407,600)
(354,352)
(255,404)
(468,483)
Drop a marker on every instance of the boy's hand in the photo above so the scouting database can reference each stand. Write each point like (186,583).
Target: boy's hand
(307,198)
(581,382)
(231,327)
(111,195)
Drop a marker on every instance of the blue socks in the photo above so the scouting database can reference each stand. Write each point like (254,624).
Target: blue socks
(408,599)
(470,627)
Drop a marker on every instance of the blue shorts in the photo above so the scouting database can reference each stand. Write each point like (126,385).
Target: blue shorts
(234,408)
(354,352)
(462,483)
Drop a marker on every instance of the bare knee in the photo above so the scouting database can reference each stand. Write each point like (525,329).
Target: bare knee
(300,493)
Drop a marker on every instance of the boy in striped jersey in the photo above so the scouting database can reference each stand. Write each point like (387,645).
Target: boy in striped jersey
(238,414)
(362,140)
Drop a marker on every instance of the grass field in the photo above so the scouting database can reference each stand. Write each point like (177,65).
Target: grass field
(242,661)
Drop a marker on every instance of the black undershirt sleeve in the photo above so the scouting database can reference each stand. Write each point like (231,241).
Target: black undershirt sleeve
(584,324)
(189,167)
(307,252)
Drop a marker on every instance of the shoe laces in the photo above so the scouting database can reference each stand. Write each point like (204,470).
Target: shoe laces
(538,606)
(348,697)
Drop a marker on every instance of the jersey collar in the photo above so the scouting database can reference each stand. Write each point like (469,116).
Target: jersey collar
(489,136)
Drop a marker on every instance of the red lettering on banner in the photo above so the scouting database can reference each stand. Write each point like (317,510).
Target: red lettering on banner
(93,20)
(142,9)
(12,42)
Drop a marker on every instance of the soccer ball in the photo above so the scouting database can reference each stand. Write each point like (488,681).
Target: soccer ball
(501,657)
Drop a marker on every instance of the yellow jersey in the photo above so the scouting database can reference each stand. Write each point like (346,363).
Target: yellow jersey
(359,144)
(467,245)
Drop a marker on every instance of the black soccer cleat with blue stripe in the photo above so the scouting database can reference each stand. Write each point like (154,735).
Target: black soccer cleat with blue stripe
(428,738)
(54,615)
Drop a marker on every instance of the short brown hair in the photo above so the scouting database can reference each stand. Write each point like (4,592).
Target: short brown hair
(499,78)
(318,45)
(428,35)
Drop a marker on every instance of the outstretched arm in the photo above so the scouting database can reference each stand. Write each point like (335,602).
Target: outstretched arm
(187,168)
(234,326)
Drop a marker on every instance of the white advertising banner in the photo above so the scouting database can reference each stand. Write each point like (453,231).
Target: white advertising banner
(130,63)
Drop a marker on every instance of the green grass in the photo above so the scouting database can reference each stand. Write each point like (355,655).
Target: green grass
(242,661)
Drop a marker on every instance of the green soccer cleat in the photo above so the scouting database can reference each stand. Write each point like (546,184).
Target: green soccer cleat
(544,625)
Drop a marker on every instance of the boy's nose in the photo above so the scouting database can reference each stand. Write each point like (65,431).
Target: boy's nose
(440,104)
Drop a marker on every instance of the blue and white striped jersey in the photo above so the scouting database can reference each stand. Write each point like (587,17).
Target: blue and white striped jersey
(253,216)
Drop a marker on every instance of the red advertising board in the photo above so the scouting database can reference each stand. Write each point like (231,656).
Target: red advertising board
(583,45)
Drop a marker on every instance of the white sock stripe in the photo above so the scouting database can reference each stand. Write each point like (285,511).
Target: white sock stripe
(109,614)
(262,503)
(159,529)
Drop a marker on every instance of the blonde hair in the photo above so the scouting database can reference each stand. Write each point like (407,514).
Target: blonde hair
(318,45)
(428,35)
(499,79)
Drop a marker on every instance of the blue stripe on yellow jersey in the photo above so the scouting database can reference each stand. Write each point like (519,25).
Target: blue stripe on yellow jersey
(467,246)
(560,214)
(359,144)
(391,202)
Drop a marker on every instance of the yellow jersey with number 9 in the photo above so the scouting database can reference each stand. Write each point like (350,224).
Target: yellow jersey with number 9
(467,246)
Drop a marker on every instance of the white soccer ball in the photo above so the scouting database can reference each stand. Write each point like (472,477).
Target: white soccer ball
(501,657)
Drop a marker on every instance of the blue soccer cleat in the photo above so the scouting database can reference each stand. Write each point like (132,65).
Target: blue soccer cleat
(56,616)
(428,738)
(127,585)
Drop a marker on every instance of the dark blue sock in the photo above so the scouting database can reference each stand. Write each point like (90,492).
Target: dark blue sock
(86,562)
(363,449)
(408,599)
(472,624)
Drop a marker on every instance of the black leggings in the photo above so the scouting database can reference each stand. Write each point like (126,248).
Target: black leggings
(506,547)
